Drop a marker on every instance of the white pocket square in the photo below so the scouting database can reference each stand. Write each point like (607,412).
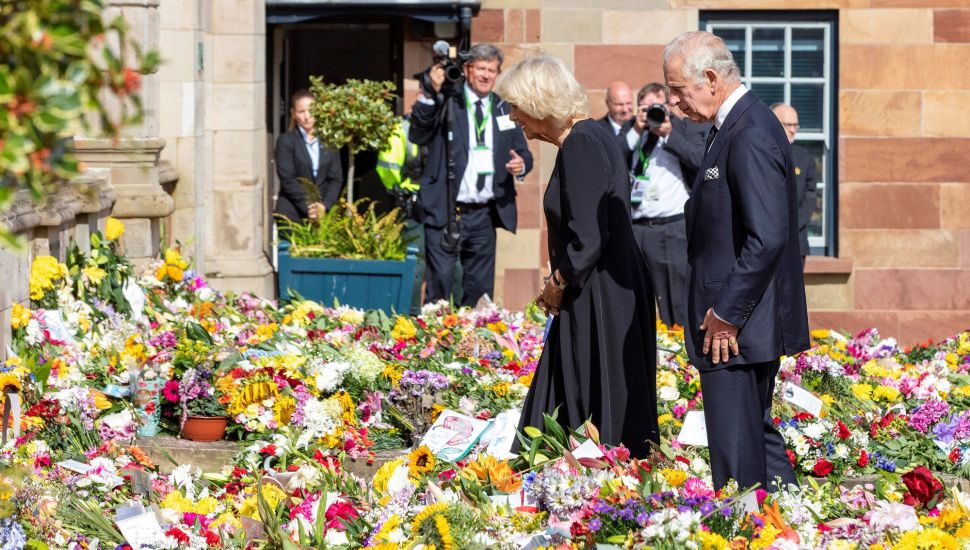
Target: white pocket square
(711,174)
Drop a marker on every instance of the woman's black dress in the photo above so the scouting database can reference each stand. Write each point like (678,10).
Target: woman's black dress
(599,360)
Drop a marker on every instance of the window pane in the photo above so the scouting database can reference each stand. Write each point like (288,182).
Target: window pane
(807,100)
(734,39)
(807,52)
(768,52)
(769,93)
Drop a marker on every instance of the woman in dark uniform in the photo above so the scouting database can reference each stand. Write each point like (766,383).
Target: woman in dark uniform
(599,361)
(299,154)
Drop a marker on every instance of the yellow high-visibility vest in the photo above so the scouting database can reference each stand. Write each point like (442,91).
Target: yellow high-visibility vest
(391,161)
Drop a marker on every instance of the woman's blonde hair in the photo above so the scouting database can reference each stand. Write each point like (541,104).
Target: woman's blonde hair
(542,87)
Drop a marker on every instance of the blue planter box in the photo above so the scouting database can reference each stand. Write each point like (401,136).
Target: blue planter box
(364,284)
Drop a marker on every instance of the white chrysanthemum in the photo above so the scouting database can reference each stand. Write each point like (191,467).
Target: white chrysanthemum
(815,430)
(35,332)
(328,376)
(319,420)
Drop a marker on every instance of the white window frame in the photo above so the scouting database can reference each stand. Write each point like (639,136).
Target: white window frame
(826,137)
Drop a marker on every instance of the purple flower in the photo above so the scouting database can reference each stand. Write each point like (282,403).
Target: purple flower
(927,414)
(595,524)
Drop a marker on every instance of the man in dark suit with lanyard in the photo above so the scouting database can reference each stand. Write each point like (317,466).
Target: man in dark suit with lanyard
(746,304)
(663,163)
(490,153)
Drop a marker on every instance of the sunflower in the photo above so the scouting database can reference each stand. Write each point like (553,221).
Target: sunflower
(444,530)
(284,409)
(9,380)
(254,391)
(420,461)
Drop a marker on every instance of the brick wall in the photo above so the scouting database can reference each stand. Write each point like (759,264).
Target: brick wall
(904,189)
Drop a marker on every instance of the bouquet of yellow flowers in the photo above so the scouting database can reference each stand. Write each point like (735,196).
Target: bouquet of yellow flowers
(46,276)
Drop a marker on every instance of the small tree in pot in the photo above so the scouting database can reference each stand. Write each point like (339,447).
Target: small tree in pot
(357,115)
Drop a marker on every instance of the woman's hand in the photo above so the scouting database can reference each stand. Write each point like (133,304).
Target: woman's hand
(550,298)
(315,210)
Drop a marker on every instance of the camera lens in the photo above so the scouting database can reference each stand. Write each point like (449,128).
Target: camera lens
(656,114)
(453,72)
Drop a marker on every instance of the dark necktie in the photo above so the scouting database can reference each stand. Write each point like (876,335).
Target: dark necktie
(480,136)
(710,138)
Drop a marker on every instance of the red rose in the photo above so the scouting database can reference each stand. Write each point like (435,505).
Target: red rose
(842,431)
(268,450)
(791,457)
(925,488)
(863,459)
(822,468)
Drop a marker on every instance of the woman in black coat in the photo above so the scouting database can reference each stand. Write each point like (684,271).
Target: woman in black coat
(294,160)
(599,360)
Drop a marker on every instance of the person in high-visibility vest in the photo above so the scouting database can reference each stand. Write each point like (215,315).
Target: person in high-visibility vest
(397,163)
(399,166)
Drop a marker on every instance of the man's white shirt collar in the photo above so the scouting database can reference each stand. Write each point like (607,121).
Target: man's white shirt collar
(616,127)
(728,104)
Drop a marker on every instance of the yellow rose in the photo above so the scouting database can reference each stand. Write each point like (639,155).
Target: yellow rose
(113,229)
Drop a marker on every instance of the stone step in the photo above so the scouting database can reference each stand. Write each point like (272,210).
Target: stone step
(212,456)
(207,456)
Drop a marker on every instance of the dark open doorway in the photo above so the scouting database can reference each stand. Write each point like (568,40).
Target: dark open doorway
(337,50)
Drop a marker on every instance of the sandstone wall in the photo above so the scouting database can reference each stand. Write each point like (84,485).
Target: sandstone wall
(904,190)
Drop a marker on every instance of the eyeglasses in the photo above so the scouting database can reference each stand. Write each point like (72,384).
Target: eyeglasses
(792,125)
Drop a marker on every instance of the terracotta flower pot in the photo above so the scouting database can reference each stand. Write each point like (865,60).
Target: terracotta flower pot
(205,428)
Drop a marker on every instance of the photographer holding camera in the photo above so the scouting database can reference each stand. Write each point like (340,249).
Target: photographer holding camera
(663,163)
(486,153)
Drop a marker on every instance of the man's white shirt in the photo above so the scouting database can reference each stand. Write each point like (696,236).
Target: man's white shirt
(663,171)
(468,189)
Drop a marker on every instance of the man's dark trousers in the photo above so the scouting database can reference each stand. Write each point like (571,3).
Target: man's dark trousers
(477,254)
(747,438)
(664,246)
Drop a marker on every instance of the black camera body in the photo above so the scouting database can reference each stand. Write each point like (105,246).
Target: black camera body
(657,114)
(452,61)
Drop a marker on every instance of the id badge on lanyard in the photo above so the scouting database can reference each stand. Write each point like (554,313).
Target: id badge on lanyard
(482,160)
(643,188)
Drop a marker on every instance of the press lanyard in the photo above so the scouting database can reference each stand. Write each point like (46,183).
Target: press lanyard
(645,162)
(486,114)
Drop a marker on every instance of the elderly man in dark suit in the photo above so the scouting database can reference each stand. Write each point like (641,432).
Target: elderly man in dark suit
(490,153)
(746,304)
(619,108)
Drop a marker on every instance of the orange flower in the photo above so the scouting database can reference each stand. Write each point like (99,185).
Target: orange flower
(141,456)
(490,470)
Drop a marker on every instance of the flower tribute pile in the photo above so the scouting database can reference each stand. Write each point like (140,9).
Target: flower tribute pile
(104,353)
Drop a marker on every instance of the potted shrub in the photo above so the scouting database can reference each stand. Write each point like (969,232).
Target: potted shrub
(357,115)
(203,417)
(350,255)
